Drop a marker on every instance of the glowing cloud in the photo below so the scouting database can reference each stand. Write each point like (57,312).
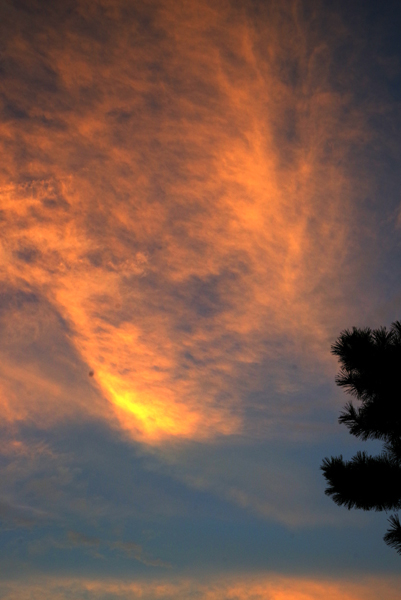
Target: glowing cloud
(245,588)
(179,199)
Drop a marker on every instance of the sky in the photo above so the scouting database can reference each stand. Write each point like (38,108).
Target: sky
(197,197)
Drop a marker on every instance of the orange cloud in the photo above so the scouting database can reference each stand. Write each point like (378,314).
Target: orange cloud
(266,587)
(181,201)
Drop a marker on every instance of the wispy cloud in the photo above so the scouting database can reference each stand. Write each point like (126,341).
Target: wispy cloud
(75,539)
(177,195)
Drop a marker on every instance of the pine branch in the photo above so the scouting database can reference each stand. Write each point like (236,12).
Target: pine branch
(365,482)
(373,420)
(393,535)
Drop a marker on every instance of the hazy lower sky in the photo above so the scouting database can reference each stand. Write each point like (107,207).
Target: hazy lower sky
(197,197)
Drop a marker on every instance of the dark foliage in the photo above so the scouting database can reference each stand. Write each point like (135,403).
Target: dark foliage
(370,362)
(366,482)
(393,535)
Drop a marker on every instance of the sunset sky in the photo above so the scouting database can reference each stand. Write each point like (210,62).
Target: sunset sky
(197,197)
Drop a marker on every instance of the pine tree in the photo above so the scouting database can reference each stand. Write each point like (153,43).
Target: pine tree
(370,362)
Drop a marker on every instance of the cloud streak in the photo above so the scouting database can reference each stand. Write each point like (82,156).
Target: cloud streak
(94,545)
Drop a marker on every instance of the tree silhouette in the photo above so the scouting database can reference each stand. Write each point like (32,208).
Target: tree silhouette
(370,371)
